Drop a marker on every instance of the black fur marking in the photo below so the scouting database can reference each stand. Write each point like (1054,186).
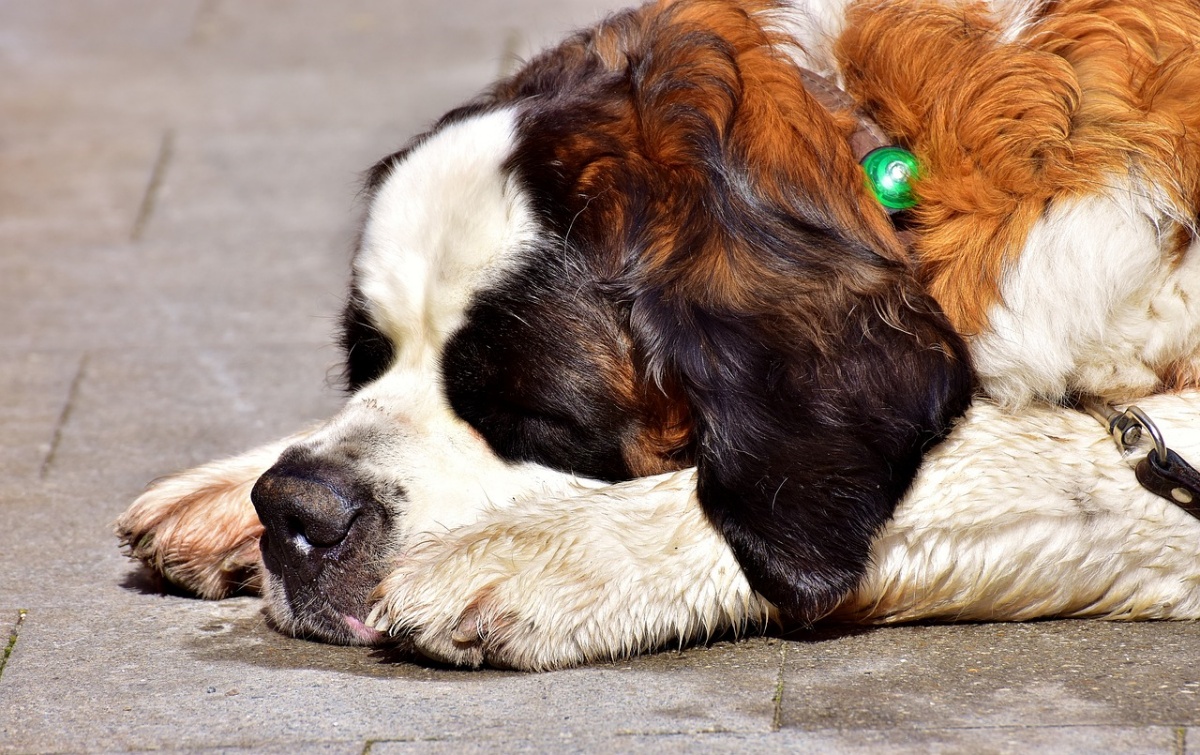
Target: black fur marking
(367,352)
(528,369)
(804,455)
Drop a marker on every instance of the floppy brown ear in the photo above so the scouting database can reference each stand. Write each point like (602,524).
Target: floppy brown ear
(770,287)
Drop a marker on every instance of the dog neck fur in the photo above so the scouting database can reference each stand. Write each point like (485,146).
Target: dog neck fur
(815,25)
(1058,197)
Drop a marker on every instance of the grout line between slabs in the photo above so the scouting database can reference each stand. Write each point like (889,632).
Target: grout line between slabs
(777,716)
(12,639)
(166,149)
(64,417)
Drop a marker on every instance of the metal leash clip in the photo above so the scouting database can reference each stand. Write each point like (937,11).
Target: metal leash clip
(1126,427)
(1163,472)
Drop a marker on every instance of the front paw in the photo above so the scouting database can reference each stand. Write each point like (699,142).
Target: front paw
(548,584)
(467,601)
(198,529)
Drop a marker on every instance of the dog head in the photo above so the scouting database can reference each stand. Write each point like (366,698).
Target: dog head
(648,249)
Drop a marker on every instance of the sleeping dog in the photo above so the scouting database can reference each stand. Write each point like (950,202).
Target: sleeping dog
(636,354)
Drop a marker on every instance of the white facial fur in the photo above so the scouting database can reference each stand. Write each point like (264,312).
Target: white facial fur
(445,223)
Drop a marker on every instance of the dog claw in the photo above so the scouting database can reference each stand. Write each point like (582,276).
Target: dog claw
(470,628)
(378,621)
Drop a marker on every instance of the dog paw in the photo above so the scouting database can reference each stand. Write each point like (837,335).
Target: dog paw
(467,601)
(550,584)
(198,529)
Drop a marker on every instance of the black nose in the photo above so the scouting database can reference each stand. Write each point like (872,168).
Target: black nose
(308,509)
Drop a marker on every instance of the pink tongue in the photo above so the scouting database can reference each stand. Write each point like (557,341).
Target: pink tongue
(363,632)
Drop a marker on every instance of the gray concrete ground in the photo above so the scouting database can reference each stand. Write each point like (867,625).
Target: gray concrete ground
(177,184)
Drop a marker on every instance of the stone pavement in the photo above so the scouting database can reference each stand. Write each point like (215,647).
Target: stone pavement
(177,201)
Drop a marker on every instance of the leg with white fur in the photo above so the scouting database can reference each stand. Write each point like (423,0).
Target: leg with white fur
(1034,515)
(542,584)
(1013,517)
(199,529)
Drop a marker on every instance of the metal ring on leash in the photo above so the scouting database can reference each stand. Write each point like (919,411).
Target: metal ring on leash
(1135,414)
(1126,427)
(1162,472)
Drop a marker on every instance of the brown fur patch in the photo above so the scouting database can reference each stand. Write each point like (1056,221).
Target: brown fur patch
(1095,88)
(664,442)
(748,88)
(678,80)
(708,68)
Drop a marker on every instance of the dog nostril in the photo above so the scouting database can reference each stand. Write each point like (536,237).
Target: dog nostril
(320,533)
(299,506)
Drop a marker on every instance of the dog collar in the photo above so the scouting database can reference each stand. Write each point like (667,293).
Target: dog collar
(891,171)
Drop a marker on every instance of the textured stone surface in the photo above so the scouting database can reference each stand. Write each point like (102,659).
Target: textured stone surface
(1059,740)
(37,387)
(178,186)
(164,671)
(1064,673)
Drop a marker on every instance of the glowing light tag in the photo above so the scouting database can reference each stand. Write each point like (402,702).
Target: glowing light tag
(891,172)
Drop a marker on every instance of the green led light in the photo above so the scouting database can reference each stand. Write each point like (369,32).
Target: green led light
(891,172)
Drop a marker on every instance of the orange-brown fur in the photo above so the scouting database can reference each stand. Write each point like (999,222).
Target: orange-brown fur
(1094,89)
(784,135)
(745,83)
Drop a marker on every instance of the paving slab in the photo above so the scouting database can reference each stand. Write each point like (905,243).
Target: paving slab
(47,32)
(36,389)
(288,290)
(180,673)
(420,35)
(1058,740)
(68,185)
(141,414)
(237,188)
(1054,673)
(58,550)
